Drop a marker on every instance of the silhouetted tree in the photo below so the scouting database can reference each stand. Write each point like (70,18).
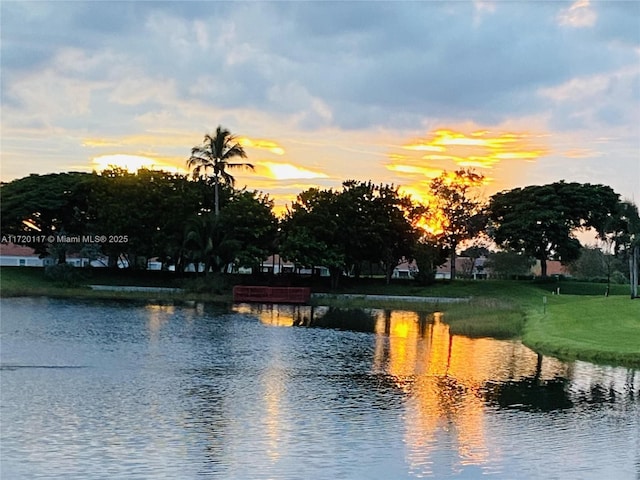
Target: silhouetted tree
(540,221)
(460,214)
(216,154)
(45,206)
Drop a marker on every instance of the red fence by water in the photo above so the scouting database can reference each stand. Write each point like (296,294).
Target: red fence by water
(271,294)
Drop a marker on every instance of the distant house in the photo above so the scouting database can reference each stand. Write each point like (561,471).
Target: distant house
(277,265)
(405,270)
(465,267)
(554,268)
(154,264)
(12,255)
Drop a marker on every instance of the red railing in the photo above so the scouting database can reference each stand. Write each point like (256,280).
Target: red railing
(271,294)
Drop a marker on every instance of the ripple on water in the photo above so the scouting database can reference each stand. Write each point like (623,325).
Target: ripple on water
(99,389)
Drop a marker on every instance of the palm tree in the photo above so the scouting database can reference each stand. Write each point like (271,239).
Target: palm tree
(215,153)
(198,241)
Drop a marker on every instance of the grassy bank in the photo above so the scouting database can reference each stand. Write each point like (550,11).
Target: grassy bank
(577,323)
(19,282)
(598,329)
(495,308)
(486,317)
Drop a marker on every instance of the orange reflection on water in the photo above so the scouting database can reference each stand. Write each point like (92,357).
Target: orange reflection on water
(158,315)
(444,376)
(273,392)
(277,315)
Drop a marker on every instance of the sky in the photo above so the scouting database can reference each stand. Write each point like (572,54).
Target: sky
(526,93)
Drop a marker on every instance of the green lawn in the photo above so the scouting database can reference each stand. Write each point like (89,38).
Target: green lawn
(599,329)
(31,281)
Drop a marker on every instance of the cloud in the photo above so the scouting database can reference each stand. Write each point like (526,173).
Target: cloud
(288,171)
(343,88)
(578,15)
(478,149)
(268,145)
(133,163)
(322,64)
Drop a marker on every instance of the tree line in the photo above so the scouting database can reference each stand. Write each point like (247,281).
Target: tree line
(203,219)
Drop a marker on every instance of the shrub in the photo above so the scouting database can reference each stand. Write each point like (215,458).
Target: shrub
(63,274)
(213,283)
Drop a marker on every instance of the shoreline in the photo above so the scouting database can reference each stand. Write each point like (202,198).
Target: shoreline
(596,329)
(400,298)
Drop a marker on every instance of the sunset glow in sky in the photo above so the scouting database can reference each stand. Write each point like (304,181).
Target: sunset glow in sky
(321,92)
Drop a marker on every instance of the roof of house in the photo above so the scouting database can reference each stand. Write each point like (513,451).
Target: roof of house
(13,250)
(554,267)
(407,266)
(276,260)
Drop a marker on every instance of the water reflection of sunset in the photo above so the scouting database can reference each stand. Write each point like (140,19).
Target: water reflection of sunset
(445,378)
(158,315)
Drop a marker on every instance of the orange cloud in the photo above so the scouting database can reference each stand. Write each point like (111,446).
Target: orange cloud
(268,145)
(478,149)
(287,171)
(132,163)
(411,169)
(159,138)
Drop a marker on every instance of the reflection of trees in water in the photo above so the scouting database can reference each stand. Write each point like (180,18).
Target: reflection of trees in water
(356,320)
(607,389)
(359,320)
(530,392)
(410,345)
(441,383)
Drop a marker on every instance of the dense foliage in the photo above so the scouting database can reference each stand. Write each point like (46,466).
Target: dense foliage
(342,229)
(541,221)
(126,219)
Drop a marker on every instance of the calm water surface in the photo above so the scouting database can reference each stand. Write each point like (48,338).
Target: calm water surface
(124,390)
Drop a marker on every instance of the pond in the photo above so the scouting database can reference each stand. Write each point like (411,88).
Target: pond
(97,389)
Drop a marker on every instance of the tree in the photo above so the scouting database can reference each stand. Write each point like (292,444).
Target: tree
(354,206)
(215,154)
(340,230)
(541,221)
(46,206)
(509,264)
(473,253)
(242,235)
(200,240)
(628,239)
(394,221)
(378,225)
(249,227)
(177,198)
(428,255)
(149,208)
(311,232)
(460,215)
(126,205)
(596,264)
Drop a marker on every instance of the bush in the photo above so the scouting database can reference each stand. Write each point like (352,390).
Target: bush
(64,274)
(619,278)
(213,283)
(425,278)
